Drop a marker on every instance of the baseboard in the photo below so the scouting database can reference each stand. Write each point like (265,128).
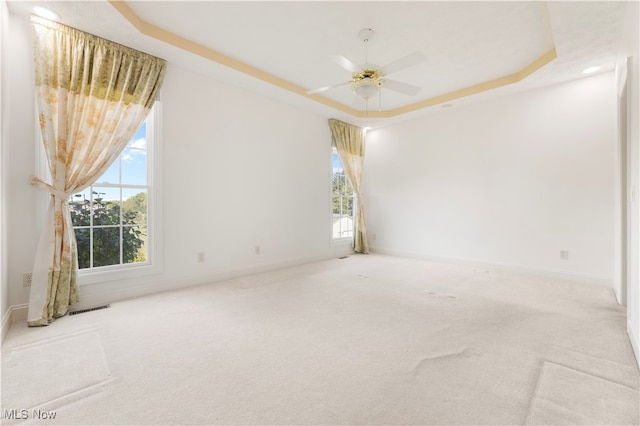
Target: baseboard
(634,338)
(619,297)
(6,323)
(15,313)
(551,273)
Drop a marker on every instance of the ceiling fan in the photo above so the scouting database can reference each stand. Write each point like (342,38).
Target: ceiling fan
(367,80)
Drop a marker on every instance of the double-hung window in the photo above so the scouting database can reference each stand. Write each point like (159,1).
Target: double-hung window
(114,219)
(343,201)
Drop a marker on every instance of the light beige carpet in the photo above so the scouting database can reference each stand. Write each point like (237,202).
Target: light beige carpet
(55,379)
(568,396)
(364,340)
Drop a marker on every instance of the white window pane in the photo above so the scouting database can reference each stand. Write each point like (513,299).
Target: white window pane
(83,242)
(134,167)
(106,246)
(112,175)
(337,165)
(80,208)
(83,195)
(101,194)
(134,244)
(139,139)
(134,206)
(342,201)
(106,206)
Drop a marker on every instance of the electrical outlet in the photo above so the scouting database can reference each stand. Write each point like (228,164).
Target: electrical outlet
(257,250)
(564,254)
(26,279)
(201,257)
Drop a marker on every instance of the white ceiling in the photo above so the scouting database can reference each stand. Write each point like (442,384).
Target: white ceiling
(466,43)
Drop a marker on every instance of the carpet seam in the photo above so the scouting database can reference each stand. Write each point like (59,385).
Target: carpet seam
(592,375)
(50,340)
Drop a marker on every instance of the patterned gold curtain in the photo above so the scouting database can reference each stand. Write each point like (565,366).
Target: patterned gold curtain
(92,95)
(349,141)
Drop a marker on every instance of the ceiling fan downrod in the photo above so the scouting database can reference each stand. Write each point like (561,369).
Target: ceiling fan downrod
(365,35)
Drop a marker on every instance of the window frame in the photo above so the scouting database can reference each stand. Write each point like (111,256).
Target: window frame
(154,263)
(339,240)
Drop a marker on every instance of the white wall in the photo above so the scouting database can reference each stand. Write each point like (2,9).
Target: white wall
(18,198)
(512,181)
(4,281)
(630,48)
(238,170)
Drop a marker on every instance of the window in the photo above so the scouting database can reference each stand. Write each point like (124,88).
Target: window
(343,201)
(113,218)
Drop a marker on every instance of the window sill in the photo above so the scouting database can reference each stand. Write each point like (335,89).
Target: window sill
(117,273)
(341,241)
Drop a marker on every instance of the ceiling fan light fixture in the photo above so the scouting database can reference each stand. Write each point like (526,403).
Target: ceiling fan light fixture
(366,83)
(366,88)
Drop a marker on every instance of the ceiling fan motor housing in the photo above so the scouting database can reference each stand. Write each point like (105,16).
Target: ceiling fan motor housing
(367,73)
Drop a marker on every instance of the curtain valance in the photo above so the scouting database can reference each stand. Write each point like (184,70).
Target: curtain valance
(82,63)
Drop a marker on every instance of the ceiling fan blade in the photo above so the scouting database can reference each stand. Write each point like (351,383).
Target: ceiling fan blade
(399,86)
(346,64)
(404,62)
(325,88)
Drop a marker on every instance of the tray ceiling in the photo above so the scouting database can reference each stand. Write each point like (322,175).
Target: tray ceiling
(281,49)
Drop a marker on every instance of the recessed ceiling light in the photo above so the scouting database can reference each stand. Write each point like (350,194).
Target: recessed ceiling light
(446,105)
(590,70)
(45,13)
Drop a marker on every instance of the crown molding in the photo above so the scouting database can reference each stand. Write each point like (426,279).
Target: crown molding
(185,44)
